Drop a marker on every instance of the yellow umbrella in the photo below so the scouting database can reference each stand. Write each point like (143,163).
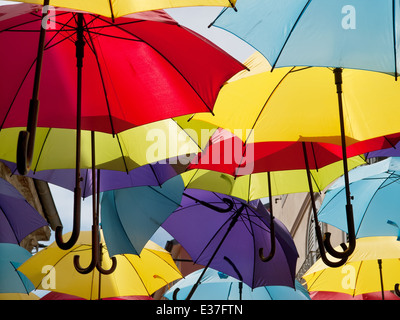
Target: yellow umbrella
(18,296)
(255,186)
(373,267)
(115,9)
(52,269)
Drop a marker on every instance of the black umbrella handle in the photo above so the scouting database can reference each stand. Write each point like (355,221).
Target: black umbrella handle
(397,289)
(229,202)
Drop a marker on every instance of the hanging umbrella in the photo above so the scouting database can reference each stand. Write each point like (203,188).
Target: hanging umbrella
(326,295)
(12,280)
(301,104)
(52,295)
(17,217)
(134,275)
(154,174)
(216,285)
(373,267)
(375,190)
(230,239)
(115,9)
(178,79)
(130,216)
(359,35)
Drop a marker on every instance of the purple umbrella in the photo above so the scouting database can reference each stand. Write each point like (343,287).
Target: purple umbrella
(17,217)
(230,241)
(389,152)
(148,175)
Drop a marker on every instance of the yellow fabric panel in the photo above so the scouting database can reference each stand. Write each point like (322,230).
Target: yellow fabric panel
(124,7)
(291,104)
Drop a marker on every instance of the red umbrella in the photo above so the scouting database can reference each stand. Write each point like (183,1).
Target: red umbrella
(138,69)
(327,295)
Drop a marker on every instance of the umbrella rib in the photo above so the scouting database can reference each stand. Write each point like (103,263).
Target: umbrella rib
(122,153)
(133,267)
(19,276)
(266,102)
(169,62)
(190,137)
(41,149)
(290,33)
(163,195)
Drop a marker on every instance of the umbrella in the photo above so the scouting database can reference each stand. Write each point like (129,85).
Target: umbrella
(373,267)
(17,217)
(154,174)
(179,82)
(216,285)
(360,35)
(52,295)
(12,280)
(326,295)
(375,190)
(134,275)
(115,9)
(130,216)
(230,240)
(310,112)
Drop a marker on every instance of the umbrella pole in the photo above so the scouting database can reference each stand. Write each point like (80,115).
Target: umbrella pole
(381,278)
(272,226)
(79,44)
(347,251)
(315,214)
(231,225)
(26,139)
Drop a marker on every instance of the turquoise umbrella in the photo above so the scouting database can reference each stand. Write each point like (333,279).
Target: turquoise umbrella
(216,285)
(11,280)
(375,190)
(130,216)
(357,34)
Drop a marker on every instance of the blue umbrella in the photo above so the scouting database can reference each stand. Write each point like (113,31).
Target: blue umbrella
(216,285)
(130,216)
(376,203)
(362,34)
(11,280)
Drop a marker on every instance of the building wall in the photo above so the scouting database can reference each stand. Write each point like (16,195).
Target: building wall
(27,188)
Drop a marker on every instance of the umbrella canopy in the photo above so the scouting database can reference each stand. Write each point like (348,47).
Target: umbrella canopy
(216,285)
(326,295)
(52,295)
(373,267)
(375,190)
(134,275)
(319,33)
(137,70)
(17,217)
(230,240)
(12,280)
(18,296)
(115,9)
(154,174)
(130,216)
(301,104)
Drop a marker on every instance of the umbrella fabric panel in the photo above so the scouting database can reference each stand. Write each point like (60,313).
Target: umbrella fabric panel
(200,231)
(304,92)
(134,275)
(146,65)
(17,217)
(12,280)
(55,148)
(122,8)
(130,216)
(375,202)
(254,186)
(319,33)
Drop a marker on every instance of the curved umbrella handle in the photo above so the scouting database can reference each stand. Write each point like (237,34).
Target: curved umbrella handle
(26,141)
(397,289)
(229,202)
(76,224)
(109,271)
(175,294)
(347,250)
(95,254)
